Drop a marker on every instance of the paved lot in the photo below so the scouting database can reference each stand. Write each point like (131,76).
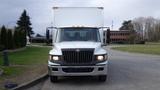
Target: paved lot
(126,72)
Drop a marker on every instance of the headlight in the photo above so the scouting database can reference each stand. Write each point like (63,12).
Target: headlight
(101,57)
(55,58)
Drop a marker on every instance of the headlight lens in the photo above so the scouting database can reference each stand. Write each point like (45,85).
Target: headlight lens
(101,57)
(55,58)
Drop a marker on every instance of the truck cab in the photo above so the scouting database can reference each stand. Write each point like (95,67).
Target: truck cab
(78,50)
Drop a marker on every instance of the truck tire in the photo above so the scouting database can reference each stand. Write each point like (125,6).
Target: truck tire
(102,78)
(53,79)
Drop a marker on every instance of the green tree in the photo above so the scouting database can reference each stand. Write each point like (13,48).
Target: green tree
(0,37)
(127,25)
(0,41)
(24,24)
(3,37)
(22,38)
(16,38)
(132,37)
(10,39)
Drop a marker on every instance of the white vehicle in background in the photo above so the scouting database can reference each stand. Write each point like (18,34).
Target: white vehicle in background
(78,43)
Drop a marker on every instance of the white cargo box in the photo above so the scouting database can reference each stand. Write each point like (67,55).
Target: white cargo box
(78,17)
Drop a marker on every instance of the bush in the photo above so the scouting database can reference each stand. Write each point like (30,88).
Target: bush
(141,42)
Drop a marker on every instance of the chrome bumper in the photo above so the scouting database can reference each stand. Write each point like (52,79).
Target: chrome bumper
(99,69)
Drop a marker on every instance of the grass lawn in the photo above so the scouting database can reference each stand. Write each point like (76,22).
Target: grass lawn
(149,48)
(32,55)
(41,44)
(29,61)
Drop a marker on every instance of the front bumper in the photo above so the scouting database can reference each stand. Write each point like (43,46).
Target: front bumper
(58,70)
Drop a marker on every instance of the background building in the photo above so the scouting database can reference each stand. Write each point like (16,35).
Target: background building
(119,36)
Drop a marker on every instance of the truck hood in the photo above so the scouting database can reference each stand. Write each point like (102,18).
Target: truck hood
(65,45)
(78,44)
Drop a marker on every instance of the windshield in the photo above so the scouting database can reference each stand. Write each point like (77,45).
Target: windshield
(79,34)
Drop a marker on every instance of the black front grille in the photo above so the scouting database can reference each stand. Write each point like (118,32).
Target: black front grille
(77,70)
(77,56)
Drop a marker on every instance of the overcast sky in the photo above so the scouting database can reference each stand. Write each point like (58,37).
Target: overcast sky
(41,14)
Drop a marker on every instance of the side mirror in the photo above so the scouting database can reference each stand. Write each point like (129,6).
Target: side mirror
(54,35)
(50,35)
(47,36)
(105,36)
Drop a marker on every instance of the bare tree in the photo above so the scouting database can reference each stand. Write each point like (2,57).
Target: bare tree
(147,27)
(139,26)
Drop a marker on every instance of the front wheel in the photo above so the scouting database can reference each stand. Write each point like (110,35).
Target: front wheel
(53,79)
(102,78)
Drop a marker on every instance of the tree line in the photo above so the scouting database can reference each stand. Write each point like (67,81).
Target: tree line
(148,28)
(142,29)
(16,37)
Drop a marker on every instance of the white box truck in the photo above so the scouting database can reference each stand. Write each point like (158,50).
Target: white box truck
(78,43)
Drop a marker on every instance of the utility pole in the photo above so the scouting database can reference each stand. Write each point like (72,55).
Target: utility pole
(112,25)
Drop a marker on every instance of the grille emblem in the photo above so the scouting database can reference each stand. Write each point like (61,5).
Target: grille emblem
(77,50)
